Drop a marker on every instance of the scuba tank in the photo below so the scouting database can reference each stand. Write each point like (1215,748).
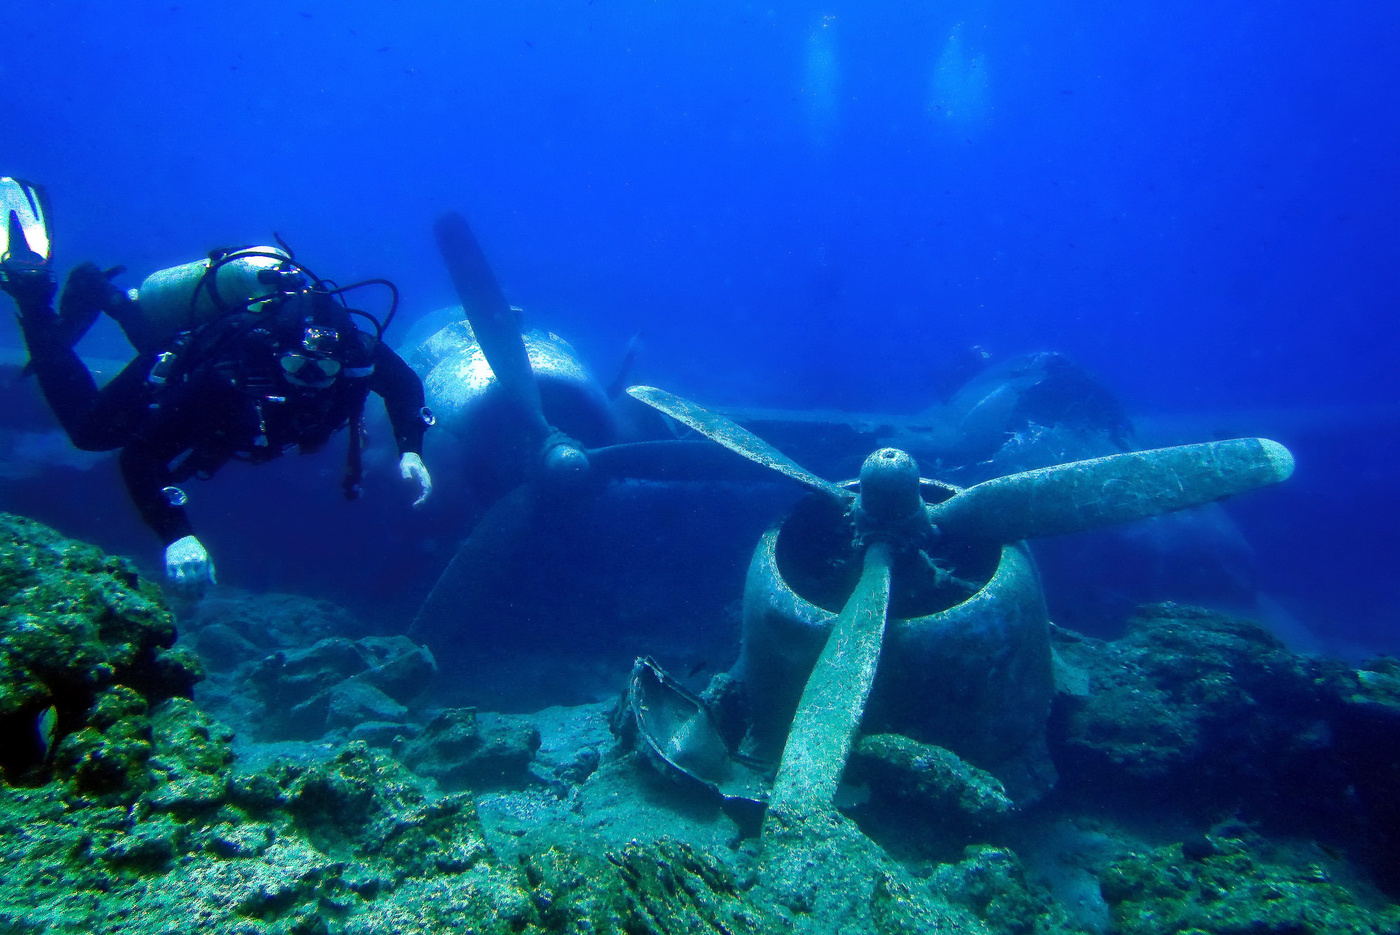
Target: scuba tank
(184,297)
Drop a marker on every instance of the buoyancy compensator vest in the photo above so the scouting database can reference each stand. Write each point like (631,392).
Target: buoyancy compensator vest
(257,321)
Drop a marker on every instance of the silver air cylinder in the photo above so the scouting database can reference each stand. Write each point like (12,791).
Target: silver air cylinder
(165,297)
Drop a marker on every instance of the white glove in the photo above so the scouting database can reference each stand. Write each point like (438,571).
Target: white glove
(186,562)
(412,467)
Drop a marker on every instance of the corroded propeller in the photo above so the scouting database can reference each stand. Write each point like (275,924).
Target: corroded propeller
(740,440)
(889,513)
(1048,501)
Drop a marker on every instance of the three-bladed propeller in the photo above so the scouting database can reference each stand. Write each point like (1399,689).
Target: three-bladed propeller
(888,514)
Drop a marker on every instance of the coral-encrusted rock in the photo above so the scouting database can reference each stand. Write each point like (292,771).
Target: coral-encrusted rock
(1190,690)
(85,650)
(286,679)
(1211,713)
(662,887)
(353,702)
(232,630)
(1236,886)
(991,883)
(338,683)
(461,748)
(108,754)
(928,779)
(295,668)
(398,667)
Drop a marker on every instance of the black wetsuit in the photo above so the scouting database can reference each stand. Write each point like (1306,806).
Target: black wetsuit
(192,426)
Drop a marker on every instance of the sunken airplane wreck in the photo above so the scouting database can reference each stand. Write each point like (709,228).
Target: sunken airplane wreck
(903,600)
(896,600)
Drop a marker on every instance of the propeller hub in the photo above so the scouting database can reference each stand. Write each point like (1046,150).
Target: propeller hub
(565,466)
(889,491)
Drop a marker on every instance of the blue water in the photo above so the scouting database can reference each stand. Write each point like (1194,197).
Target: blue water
(806,205)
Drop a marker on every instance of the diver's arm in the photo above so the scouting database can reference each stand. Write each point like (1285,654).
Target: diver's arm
(166,437)
(186,561)
(402,392)
(144,470)
(411,467)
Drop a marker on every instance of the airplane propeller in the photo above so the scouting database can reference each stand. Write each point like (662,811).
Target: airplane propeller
(888,514)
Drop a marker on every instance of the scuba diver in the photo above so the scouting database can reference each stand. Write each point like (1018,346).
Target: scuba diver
(244,355)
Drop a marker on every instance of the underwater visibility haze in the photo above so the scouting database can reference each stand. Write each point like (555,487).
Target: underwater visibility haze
(999,235)
(804,206)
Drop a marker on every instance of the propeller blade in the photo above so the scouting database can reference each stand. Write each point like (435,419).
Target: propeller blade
(1098,492)
(493,322)
(717,428)
(478,563)
(678,460)
(828,715)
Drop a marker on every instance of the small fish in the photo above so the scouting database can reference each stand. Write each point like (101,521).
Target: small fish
(45,725)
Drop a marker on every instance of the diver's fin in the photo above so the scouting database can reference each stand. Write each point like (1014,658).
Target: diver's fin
(26,239)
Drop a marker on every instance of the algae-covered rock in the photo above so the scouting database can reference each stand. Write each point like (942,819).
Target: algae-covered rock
(350,844)
(1188,694)
(928,778)
(292,845)
(991,883)
(1367,728)
(85,650)
(1231,887)
(664,886)
(460,747)
(1206,713)
(136,816)
(920,801)
(133,816)
(334,683)
(830,877)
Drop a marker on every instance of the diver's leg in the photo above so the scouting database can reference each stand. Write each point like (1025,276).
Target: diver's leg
(67,385)
(119,409)
(94,419)
(133,322)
